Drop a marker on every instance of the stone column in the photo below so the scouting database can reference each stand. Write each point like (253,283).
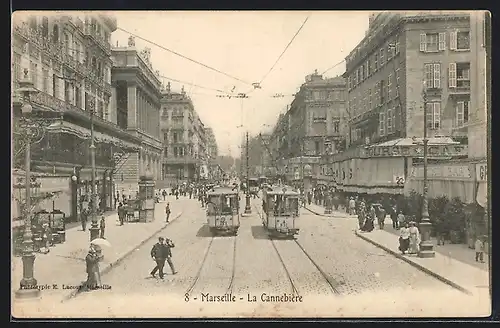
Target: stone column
(132,106)
(112,106)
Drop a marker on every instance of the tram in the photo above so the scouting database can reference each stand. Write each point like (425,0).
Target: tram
(223,210)
(281,209)
(253,186)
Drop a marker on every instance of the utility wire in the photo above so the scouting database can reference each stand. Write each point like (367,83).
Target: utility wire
(286,48)
(187,58)
(192,84)
(343,60)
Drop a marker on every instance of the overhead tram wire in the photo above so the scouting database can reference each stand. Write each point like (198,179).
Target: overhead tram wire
(185,57)
(340,62)
(286,48)
(194,85)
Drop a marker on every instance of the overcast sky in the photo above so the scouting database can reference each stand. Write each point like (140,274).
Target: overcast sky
(244,45)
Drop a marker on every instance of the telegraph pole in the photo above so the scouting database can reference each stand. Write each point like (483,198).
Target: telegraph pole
(94,228)
(248,209)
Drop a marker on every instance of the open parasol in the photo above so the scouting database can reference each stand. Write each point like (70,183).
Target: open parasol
(100,242)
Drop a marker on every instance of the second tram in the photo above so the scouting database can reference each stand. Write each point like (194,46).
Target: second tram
(281,210)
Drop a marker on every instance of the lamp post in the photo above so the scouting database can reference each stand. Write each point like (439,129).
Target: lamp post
(426,246)
(94,227)
(248,209)
(34,130)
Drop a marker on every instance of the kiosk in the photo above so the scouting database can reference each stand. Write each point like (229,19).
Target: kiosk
(146,197)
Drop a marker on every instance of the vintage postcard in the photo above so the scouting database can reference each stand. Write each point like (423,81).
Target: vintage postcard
(251,164)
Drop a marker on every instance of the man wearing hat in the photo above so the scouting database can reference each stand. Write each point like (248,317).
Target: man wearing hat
(159,255)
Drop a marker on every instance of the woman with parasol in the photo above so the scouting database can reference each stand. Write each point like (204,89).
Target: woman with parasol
(92,260)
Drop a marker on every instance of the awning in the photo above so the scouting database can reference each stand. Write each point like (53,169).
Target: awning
(482,194)
(83,133)
(451,188)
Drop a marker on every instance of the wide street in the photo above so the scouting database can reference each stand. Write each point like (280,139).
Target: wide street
(328,266)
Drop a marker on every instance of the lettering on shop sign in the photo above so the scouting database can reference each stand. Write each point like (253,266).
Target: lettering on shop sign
(456,172)
(416,151)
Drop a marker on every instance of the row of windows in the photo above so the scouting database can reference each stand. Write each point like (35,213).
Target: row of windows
(387,121)
(435,42)
(383,92)
(71,92)
(336,95)
(458,75)
(374,63)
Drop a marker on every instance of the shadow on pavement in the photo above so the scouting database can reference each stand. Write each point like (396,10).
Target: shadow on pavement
(204,232)
(259,232)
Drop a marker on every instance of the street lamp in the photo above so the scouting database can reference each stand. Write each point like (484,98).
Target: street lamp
(248,209)
(34,130)
(426,246)
(94,227)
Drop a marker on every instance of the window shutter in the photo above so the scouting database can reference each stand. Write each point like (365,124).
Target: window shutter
(453,40)
(460,114)
(466,118)
(442,41)
(437,76)
(437,115)
(452,75)
(423,42)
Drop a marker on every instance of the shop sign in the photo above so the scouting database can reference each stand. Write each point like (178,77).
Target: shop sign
(445,171)
(434,151)
(482,172)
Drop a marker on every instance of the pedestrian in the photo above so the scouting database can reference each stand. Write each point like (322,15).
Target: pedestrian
(177,194)
(83,218)
(394,217)
(121,213)
(92,260)
(169,244)
(309,197)
(479,248)
(167,211)
(352,206)
(414,238)
(404,238)
(381,217)
(164,194)
(159,255)
(401,219)
(102,226)
(117,199)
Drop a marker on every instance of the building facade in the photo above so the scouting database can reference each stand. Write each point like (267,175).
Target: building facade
(211,146)
(315,124)
(405,62)
(68,58)
(135,107)
(184,140)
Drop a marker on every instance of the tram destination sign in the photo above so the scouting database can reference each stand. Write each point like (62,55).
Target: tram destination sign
(433,151)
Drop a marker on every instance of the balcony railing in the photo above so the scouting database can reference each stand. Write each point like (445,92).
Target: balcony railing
(55,49)
(90,30)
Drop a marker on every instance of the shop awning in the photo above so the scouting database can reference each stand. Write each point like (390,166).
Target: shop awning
(83,133)
(482,194)
(451,188)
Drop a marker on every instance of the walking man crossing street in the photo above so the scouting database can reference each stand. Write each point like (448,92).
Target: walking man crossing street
(160,253)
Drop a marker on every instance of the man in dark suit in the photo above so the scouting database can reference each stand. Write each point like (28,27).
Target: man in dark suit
(159,255)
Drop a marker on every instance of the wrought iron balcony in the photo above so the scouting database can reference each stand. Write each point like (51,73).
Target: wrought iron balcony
(90,31)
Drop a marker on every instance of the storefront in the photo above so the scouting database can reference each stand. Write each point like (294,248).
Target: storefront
(451,179)
(384,168)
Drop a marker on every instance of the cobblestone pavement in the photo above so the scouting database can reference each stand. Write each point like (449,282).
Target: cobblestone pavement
(353,265)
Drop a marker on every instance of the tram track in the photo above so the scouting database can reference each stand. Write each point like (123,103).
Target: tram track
(199,273)
(324,275)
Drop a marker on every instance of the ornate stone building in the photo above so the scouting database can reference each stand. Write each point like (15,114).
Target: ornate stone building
(68,59)
(184,140)
(135,106)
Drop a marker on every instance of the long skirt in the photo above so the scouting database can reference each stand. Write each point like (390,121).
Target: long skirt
(413,244)
(404,244)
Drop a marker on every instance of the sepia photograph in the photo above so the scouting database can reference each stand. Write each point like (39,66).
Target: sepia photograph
(250,164)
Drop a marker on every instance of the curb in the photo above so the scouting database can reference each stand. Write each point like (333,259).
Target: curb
(327,215)
(416,265)
(108,267)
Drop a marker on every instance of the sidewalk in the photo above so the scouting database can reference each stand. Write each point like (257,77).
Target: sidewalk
(464,277)
(459,252)
(320,210)
(65,263)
